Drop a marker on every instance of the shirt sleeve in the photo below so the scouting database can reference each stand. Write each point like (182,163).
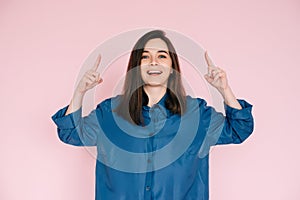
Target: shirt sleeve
(233,128)
(76,130)
(238,125)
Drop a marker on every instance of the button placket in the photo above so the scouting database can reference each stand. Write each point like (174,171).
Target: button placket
(156,116)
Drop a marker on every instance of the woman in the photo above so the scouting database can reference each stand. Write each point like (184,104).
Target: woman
(151,113)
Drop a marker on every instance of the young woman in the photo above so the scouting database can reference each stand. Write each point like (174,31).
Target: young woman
(160,135)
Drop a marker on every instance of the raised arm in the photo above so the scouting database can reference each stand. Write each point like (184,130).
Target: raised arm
(72,128)
(238,123)
(218,79)
(90,79)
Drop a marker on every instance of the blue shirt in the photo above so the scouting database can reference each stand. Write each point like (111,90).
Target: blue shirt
(166,159)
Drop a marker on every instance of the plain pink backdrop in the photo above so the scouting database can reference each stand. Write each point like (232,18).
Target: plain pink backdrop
(43,44)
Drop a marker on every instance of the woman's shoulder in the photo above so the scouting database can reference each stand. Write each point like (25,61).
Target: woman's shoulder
(109,103)
(197,100)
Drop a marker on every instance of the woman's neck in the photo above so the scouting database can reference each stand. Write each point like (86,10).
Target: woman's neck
(154,93)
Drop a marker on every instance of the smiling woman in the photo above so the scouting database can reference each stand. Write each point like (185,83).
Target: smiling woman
(151,70)
(156,63)
(168,156)
(156,67)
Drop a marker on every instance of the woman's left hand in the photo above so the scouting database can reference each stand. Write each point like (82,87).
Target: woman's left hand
(215,76)
(218,79)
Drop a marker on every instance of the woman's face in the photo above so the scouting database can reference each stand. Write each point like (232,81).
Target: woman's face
(156,63)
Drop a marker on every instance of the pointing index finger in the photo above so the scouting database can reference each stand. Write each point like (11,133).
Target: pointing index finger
(97,63)
(208,60)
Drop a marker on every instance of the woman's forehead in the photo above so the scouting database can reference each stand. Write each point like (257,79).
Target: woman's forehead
(156,44)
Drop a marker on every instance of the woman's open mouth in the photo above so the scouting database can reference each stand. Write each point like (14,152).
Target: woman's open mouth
(154,72)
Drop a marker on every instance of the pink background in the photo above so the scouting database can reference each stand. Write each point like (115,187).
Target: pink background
(43,44)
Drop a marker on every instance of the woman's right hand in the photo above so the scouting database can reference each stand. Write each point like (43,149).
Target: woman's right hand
(90,79)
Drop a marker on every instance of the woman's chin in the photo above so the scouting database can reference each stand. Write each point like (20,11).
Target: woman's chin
(155,84)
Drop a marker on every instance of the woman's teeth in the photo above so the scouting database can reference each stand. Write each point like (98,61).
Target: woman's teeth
(153,72)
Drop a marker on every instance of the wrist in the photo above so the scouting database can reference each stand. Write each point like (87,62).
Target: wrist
(78,94)
(225,91)
(78,98)
(230,99)
(227,95)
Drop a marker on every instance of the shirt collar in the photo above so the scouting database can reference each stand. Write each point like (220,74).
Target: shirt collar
(160,104)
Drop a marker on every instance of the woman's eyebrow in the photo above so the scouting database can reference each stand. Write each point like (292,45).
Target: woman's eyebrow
(160,51)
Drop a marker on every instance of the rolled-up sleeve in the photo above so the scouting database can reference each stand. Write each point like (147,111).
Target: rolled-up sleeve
(239,123)
(76,130)
(233,128)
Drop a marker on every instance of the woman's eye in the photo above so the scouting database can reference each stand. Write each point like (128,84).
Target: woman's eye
(145,57)
(162,56)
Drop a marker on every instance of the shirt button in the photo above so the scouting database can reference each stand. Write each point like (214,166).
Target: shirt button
(149,160)
(148,188)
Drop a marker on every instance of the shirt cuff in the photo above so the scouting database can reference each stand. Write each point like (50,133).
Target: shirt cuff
(243,113)
(67,121)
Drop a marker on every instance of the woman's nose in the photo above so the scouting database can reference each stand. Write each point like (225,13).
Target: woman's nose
(153,61)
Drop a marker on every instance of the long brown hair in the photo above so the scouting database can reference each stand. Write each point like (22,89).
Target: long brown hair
(131,102)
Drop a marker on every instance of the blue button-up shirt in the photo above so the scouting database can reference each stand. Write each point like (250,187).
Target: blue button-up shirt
(166,159)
